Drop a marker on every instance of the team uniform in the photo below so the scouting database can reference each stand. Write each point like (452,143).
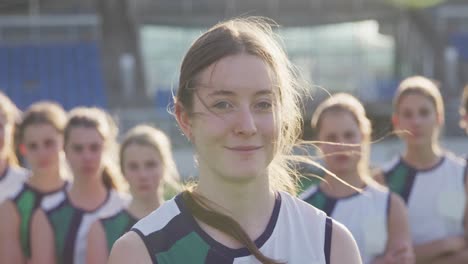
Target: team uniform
(11,182)
(26,201)
(116,225)
(435,197)
(71,224)
(296,233)
(364,214)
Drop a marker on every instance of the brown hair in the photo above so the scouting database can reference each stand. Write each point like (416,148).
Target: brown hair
(253,36)
(44,112)
(343,102)
(145,135)
(92,117)
(419,85)
(12,115)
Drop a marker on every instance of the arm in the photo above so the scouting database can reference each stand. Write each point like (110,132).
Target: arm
(448,250)
(129,249)
(343,246)
(438,248)
(10,245)
(461,257)
(42,239)
(399,247)
(97,251)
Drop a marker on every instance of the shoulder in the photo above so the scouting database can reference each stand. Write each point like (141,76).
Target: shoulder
(18,172)
(454,160)
(159,218)
(343,246)
(129,249)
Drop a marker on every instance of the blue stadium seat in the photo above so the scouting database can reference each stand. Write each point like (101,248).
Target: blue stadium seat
(69,73)
(460,42)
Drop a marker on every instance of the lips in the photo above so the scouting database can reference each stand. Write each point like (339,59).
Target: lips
(244,148)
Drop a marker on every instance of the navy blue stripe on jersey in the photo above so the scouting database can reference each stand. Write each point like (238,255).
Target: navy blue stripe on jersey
(389,201)
(465,171)
(215,258)
(328,237)
(148,248)
(400,179)
(69,248)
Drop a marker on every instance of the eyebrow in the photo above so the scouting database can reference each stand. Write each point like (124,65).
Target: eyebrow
(231,93)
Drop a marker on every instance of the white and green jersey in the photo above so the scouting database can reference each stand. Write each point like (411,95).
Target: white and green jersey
(365,214)
(11,182)
(71,224)
(435,197)
(296,233)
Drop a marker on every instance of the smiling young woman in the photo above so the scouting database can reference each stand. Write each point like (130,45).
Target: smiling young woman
(238,104)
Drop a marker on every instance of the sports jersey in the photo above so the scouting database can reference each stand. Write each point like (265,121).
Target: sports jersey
(71,224)
(365,214)
(26,201)
(116,225)
(296,233)
(435,197)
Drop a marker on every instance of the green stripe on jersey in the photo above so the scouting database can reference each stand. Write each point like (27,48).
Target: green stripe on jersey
(61,219)
(396,181)
(116,226)
(318,199)
(25,204)
(190,249)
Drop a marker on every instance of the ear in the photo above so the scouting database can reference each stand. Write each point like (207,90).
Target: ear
(183,120)
(22,149)
(440,119)
(395,121)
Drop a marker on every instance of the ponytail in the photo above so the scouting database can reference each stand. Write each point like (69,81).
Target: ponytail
(199,208)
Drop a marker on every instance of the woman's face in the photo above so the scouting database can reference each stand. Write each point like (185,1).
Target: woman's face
(143,168)
(233,126)
(418,120)
(42,144)
(342,141)
(84,151)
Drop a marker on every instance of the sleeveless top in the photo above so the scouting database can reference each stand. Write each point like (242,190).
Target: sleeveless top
(364,214)
(435,197)
(296,233)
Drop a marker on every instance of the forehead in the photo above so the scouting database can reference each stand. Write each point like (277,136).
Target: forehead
(415,99)
(135,151)
(84,135)
(336,120)
(237,72)
(34,131)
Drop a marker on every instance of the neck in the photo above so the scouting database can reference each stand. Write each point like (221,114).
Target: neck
(332,186)
(46,180)
(422,156)
(250,203)
(140,208)
(88,193)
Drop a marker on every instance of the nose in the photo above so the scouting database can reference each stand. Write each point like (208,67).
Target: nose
(245,122)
